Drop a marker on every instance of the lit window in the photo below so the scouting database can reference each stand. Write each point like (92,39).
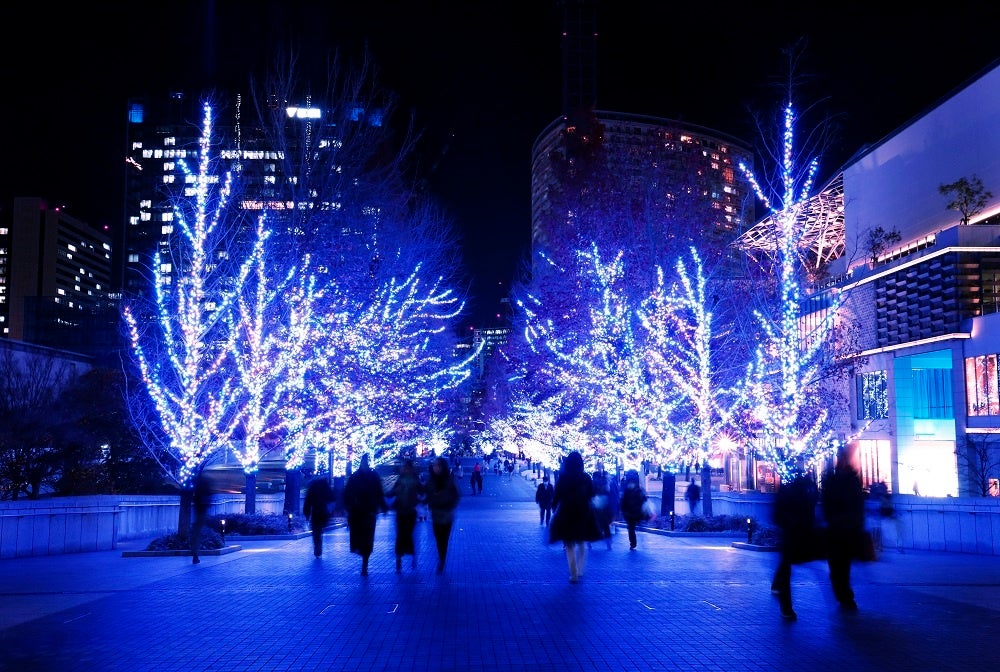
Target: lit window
(167,229)
(133,258)
(982,385)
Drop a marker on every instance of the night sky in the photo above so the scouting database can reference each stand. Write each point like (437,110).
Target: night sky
(482,78)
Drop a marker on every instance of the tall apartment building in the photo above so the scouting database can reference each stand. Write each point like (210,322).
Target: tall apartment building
(652,160)
(924,400)
(55,279)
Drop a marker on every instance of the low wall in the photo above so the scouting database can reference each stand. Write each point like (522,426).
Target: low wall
(98,523)
(954,524)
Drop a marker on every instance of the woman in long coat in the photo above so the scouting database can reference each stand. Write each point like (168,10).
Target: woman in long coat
(405,494)
(574,522)
(363,499)
(442,499)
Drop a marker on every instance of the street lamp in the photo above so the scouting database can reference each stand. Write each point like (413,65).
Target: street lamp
(671,521)
(223,523)
(289,523)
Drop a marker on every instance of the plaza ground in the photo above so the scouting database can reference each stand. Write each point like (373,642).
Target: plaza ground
(504,603)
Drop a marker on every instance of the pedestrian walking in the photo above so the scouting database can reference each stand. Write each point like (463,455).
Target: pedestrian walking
(201,500)
(692,495)
(801,540)
(574,521)
(633,502)
(442,500)
(363,499)
(543,497)
(405,494)
(842,499)
(605,501)
(316,508)
(477,479)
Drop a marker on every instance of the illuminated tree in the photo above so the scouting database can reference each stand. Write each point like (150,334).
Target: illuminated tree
(784,386)
(182,345)
(384,366)
(687,369)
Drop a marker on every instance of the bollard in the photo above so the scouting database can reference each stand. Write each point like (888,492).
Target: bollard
(289,523)
(749,530)
(671,521)
(223,523)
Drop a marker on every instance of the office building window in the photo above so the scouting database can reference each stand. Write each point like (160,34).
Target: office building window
(981,385)
(873,395)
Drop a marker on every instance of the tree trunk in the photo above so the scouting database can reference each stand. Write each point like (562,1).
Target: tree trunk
(250,500)
(706,491)
(184,512)
(293,479)
(669,484)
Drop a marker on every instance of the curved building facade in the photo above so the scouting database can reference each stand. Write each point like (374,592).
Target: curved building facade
(651,160)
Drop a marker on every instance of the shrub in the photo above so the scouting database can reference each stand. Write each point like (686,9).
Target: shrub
(210,540)
(243,524)
(765,535)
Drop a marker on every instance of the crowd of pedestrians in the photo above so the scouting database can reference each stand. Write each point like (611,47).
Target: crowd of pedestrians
(824,521)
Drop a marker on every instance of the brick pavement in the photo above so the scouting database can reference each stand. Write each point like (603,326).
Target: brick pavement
(504,603)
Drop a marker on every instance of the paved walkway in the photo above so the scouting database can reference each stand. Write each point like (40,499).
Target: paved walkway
(504,603)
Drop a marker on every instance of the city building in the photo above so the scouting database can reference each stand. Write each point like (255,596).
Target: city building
(924,402)
(55,280)
(679,180)
(273,163)
(657,163)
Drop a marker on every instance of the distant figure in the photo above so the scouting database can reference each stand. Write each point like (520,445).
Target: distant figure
(574,522)
(477,479)
(406,493)
(605,501)
(543,497)
(795,517)
(632,501)
(200,502)
(363,499)
(316,507)
(442,499)
(693,495)
(842,499)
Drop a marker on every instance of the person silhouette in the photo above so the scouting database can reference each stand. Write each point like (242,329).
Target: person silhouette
(405,495)
(442,500)
(201,500)
(543,497)
(795,517)
(632,501)
(842,500)
(363,499)
(574,521)
(316,508)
